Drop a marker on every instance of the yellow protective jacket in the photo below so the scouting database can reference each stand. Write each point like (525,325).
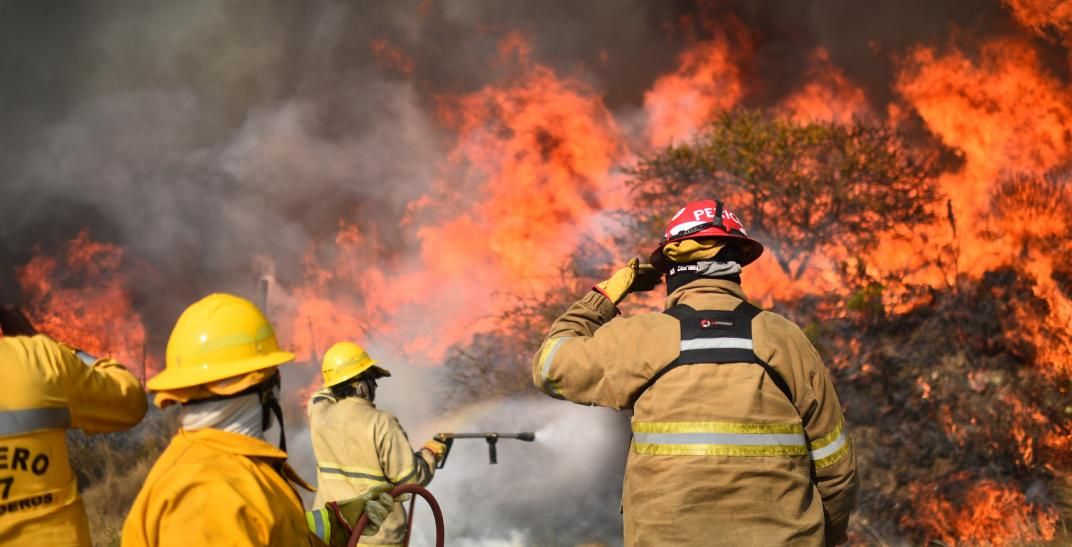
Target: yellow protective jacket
(720,455)
(359,447)
(214,487)
(48,389)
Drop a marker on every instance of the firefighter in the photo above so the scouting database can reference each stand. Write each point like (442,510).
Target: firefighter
(359,447)
(219,482)
(738,436)
(50,387)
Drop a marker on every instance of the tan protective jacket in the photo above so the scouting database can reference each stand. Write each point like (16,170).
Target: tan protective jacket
(720,455)
(213,487)
(359,447)
(47,389)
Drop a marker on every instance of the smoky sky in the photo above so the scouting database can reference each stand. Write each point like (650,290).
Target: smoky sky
(202,134)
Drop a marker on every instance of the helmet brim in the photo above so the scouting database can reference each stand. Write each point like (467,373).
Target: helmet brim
(178,378)
(354,373)
(750,250)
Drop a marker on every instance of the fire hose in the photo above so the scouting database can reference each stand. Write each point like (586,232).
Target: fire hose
(414,489)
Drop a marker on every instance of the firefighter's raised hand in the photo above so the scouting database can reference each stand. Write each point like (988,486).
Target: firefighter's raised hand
(634,277)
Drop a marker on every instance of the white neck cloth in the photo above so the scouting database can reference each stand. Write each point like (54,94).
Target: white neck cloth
(711,268)
(240,415)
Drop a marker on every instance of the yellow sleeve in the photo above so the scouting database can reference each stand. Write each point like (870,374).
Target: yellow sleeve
(102,397)
(589,359)
(400,463)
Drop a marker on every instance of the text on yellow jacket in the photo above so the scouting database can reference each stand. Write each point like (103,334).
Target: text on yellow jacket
(48,389)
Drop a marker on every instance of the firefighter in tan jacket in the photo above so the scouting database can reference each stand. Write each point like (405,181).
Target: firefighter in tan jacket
(738,436)
(358,447)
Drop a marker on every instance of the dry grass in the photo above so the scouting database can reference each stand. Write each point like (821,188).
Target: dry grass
(112,468)
(108,501)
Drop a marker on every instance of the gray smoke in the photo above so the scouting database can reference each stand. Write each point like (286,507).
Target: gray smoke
(202,134)
(562,489)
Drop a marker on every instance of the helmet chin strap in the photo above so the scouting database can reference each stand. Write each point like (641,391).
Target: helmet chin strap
(270,405)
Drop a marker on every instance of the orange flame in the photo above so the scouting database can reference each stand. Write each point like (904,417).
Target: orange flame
(991,514)
(1003,112)
(1038,15)
(390,57)
(707,79)
(828,96)
(82,299)
(529,174)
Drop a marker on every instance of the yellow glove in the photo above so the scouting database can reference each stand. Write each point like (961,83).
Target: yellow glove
(634,277)
(436,447)
(324,523)
(377,511)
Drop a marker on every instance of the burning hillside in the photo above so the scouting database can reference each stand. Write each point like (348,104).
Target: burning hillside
(417,175)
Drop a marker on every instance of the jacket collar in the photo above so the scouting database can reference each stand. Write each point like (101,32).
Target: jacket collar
(233,443)
(326,395)
(360,401)
(703,287)
(244,445)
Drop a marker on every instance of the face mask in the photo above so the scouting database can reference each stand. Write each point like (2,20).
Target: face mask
(248,412)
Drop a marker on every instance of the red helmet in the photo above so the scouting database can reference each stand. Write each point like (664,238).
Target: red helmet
(707,218)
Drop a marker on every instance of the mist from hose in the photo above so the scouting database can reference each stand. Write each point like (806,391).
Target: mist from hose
(564,487)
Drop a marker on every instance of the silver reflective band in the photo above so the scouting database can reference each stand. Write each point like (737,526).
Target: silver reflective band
(19,422)
(716,343)
(829,449)
(546,370)
(351,474)
(318,519)
(742,439)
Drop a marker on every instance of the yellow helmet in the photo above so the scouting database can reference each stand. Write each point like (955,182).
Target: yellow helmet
(218,337)
(346,360)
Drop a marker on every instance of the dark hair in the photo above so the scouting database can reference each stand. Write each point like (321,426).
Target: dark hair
(349,387)
(344,390)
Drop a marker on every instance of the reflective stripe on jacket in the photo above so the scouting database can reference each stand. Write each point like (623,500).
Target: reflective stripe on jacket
(359,447)
(47,390)
(213,487)
(720,455)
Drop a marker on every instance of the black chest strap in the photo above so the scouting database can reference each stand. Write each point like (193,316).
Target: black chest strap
(717,337)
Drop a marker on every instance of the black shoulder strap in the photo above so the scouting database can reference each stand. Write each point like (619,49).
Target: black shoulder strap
(717,337)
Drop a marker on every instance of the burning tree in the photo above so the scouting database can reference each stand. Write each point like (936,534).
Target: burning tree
(951,400)
(802,187)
